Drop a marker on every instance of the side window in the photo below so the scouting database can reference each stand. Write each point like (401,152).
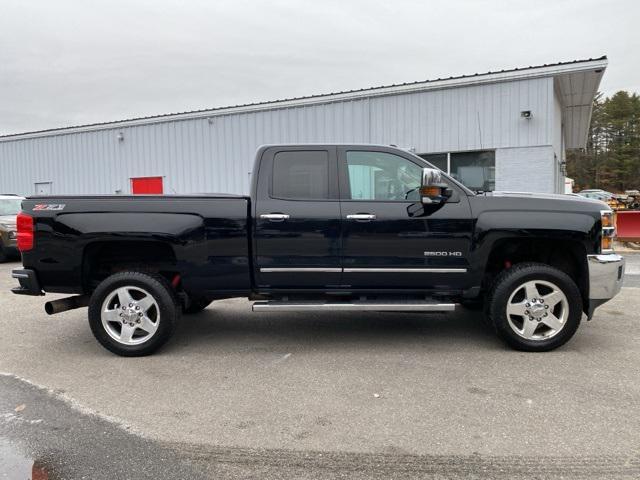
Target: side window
(301,175)
(382,176)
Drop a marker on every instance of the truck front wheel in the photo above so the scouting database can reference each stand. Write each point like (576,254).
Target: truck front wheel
(133,314)
(535,307)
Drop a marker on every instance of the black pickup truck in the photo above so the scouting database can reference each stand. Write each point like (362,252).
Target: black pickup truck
(327,227)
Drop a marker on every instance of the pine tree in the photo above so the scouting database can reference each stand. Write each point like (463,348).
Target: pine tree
(611,160)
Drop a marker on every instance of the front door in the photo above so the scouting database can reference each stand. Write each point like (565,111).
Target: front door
(389,239)
(297,219)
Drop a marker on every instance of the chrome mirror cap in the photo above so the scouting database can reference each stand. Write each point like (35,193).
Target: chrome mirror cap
(432,188)
(431,177)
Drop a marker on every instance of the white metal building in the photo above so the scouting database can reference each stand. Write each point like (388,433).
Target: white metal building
(504,130)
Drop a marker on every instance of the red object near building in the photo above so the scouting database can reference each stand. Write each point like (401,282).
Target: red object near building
(146,186)
(628,225)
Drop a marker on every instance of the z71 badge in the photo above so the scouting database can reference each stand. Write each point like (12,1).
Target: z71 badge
(49,206)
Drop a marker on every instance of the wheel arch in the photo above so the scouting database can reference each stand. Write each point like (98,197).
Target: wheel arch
(567,255)
(101,259)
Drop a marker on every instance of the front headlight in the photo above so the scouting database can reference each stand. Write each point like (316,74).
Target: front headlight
(608,231)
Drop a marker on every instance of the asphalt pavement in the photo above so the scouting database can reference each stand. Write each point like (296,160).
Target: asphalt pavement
(325,395)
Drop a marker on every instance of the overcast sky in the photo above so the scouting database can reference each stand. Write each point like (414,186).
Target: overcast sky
(68,62)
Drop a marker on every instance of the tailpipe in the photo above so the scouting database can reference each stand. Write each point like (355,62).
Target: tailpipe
(64,304)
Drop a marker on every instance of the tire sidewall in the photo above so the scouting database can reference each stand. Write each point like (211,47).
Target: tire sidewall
(504,288)
(161,293)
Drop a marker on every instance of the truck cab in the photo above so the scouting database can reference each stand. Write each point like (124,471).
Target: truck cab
(353,222)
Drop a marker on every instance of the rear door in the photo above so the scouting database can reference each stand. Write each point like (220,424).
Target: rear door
(390,240)
(297,219)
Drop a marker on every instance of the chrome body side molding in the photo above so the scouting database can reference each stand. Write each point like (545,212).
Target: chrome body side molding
(360,306)
(404,270)
(360,270)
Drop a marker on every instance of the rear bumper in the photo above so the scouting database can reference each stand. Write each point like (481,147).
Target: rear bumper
(29,284)
(606,273)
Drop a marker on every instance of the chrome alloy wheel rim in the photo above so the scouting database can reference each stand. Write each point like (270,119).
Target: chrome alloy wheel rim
(537,310)
(130,315)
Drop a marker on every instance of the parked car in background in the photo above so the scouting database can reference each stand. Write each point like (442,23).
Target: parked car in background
(609,198)
(9,208)
(596,193)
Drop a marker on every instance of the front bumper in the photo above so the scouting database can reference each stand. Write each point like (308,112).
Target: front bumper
(606,273)
(29,284)
(8,239)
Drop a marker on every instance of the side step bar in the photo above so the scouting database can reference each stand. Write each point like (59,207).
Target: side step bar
(273,306)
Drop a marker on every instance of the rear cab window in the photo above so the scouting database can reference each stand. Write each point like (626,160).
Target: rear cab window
(301,175)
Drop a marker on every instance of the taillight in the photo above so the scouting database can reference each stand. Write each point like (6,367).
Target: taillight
(608,231)
(24,223)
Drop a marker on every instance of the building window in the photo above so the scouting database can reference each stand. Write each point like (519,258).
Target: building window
(475,170)
(301,175)
(439,160)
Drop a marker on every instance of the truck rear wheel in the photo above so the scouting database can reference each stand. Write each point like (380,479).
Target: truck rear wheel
(535,307)
(132,314)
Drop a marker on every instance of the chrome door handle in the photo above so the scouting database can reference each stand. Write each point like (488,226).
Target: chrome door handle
(361,217)
(275,217)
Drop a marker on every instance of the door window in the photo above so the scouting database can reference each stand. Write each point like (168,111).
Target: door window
(382,176)
(301,175)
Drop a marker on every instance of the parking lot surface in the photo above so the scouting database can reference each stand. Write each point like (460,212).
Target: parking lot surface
(361,388)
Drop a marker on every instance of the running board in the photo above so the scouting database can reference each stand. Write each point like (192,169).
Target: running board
(273,306)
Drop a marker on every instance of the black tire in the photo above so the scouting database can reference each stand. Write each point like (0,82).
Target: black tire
(3,256)
(196,305)
(159,289)
(509,281)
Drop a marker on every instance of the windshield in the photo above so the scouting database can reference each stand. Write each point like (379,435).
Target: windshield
(10,206)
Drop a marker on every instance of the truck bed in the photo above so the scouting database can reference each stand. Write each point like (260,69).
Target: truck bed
(199,236)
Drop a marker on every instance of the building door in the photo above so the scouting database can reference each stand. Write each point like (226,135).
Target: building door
(43,188)
(146,186)
(389,239)
(297,219)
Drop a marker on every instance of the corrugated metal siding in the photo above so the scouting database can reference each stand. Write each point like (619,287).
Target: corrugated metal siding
(216,154)
(526,169)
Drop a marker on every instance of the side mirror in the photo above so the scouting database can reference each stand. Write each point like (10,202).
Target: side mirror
(433,190)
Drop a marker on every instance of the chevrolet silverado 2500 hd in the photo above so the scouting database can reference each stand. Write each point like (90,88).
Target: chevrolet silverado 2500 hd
(326,227)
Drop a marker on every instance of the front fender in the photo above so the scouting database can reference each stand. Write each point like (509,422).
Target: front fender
(495,227)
